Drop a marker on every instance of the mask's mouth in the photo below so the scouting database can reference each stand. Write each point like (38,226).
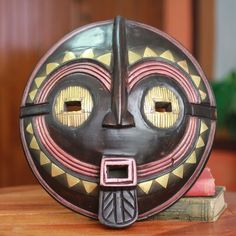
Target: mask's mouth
(118,196)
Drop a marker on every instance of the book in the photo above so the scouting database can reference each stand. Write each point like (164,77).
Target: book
(206,209)
(204,186)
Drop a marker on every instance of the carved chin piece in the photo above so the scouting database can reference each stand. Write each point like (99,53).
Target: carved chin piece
(117,121)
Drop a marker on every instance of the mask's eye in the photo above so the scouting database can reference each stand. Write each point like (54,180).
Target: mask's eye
(73,106)
(161,107)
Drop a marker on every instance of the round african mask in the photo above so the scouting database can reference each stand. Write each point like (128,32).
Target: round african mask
(117,121)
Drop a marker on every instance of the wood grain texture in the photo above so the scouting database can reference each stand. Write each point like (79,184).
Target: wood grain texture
(204,38)
(28,210)
(146,11)
(27,30)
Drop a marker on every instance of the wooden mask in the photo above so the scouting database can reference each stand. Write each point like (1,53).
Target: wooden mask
(117,121)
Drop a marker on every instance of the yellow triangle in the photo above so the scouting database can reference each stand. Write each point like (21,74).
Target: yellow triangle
(29,128)
(133,57)
(196,79)
(32,94)
(68,56)
(149,53)
(105,58)
(87,53)
(168,55)
(55,171)
(192,159)
(203,127)
(89,186)
(51,66)
(34,144)
(163,180)
(43,159)
(202,94)
(184,65)
(179,171)
(39,80)
(145,186)
(71,180)
(200,142)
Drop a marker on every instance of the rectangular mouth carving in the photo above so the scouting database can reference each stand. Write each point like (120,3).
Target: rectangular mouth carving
(118,171)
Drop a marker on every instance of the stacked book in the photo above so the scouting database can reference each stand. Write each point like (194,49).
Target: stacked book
(203,202)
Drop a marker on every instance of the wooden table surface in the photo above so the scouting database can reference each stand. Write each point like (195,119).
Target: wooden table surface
(29,210)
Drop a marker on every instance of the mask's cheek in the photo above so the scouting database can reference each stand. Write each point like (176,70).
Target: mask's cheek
(84,143)
(155,143)
(78,107)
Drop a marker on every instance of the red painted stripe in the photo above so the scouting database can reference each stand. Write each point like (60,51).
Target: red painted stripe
(137,74)
(60,155)
(45,184)
(87,68)
(181,150)
(155,67)
(190,181)
(188,55)
(93,170)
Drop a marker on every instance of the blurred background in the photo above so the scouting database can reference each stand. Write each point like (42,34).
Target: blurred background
(28,28)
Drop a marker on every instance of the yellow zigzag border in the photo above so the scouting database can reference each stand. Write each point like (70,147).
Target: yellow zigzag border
(68,56)
(106,60)
(56,170)
(179,171)
(90,186)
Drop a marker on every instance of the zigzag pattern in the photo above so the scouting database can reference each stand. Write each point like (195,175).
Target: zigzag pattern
(89,187)
(56,171)
(178,172)
(106,60)
(169,56)
(68,56)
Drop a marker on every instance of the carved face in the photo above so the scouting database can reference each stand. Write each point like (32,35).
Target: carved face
(117,112)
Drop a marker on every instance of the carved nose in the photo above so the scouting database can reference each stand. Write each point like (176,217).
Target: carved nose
(114,120)
(119,116)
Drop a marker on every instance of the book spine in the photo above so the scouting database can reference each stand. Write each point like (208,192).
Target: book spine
(188,210)
(206,209)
